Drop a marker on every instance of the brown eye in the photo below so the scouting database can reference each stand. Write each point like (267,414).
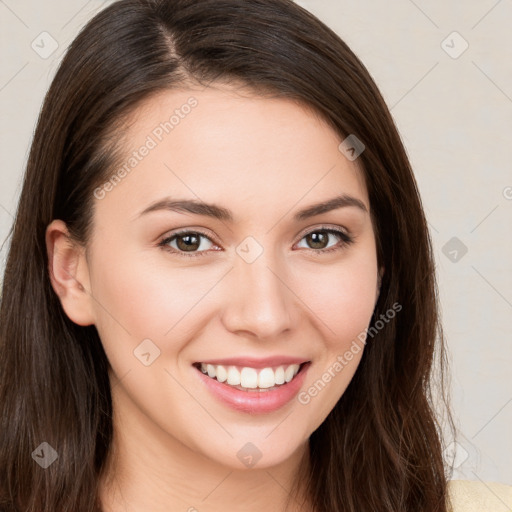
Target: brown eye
(187,242)
(318,240)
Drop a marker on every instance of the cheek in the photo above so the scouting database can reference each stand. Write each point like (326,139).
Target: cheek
(341,297)
(137,298)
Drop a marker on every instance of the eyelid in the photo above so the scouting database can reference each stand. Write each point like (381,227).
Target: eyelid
(200,231)
(166,239)
(301,235)
(345,236)
(346,239)
(320,227)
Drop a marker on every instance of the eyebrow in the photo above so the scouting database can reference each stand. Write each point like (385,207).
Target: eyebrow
(218,212)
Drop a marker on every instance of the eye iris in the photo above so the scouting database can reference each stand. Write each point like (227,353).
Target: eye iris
(318,237)
(191,242)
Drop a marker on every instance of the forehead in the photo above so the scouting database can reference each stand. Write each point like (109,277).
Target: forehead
(226,144)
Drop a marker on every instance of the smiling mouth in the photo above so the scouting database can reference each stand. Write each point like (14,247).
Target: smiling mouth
(252,379)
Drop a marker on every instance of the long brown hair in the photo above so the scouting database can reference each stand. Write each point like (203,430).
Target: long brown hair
(380,449)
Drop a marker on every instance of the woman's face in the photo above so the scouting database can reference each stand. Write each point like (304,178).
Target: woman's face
(254,281)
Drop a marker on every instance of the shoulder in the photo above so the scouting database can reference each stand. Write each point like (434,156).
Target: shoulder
(476,496)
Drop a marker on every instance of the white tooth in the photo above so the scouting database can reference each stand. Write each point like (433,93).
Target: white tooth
(222,374)
(249,378)
(290,372)
(266,378)
(279,375)
(211,370)
(233,376)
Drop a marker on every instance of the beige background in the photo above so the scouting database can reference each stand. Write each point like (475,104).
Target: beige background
(454,111)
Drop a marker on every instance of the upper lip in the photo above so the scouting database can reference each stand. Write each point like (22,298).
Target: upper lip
(254,362)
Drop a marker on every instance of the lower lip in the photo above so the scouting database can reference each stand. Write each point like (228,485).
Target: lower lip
(255,401)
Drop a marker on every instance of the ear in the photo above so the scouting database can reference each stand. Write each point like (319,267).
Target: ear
(69,274)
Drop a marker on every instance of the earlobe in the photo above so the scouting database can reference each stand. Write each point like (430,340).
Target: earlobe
(69,274)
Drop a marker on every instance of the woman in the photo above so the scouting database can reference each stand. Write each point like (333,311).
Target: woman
(220,289)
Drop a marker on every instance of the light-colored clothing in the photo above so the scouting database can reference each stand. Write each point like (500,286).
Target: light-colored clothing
(476,496)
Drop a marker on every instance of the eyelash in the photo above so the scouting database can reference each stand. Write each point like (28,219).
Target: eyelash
(346,240)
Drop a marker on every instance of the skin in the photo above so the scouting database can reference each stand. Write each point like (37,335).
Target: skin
(175,445)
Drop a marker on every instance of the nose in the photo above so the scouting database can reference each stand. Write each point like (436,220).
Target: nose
(260,301)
